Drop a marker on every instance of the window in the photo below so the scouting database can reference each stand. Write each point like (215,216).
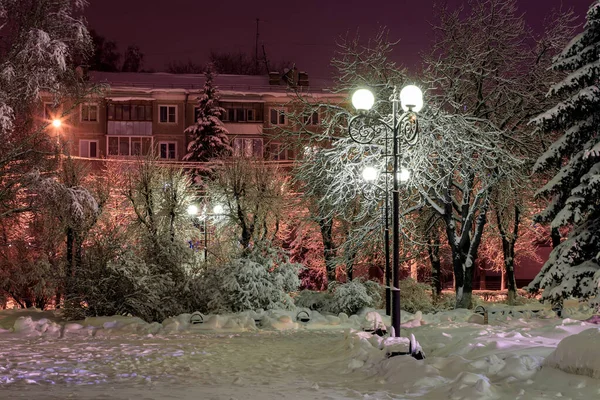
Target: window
(89,112)
(167,150)
(88,148)
(276,152)
(128,146)
(129,112)
(51,111)
(168,114)
(251,148)
(277,116)
(280,152)
(242,112)
(312,119)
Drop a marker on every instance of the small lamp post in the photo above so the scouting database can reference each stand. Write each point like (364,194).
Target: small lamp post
(193,210)
(362,129)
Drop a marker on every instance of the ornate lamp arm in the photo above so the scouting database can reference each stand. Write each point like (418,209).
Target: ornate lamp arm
(364,128)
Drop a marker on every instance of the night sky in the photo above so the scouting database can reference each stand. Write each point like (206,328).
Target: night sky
(304,32)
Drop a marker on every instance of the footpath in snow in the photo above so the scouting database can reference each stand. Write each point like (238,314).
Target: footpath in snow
(529,355)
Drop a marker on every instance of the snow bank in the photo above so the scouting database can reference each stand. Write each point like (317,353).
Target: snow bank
(38,323)
(578,354)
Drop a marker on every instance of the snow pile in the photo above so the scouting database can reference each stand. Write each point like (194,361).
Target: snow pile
(578,354)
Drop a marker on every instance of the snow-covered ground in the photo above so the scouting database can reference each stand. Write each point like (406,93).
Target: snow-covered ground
(227,357)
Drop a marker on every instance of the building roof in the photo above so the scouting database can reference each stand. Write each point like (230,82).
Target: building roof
(257,84)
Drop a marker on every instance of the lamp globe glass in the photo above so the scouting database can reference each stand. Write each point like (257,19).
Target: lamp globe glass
(363,99)
(411,98)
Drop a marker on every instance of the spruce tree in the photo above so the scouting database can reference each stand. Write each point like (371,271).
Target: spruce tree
(573,269)
(208,137)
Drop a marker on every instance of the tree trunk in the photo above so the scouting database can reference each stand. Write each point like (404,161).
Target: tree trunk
(464,255)
(464,292)
(433,249)
(508,251)
(70,243)
(512,284)
(555,235)
(329,253)
(414,270)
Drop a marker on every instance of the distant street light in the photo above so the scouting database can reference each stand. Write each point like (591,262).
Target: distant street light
(193,211)
(370,174)
(362,129)
(56,123)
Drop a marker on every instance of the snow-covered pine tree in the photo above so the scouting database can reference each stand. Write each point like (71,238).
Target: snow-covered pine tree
(208,136)
(573,269)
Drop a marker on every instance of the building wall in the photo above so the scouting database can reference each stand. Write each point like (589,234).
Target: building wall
(184,100)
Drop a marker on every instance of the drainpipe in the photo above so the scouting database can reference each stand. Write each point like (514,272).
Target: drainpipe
(185,103)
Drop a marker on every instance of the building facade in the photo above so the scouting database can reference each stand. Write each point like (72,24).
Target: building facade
(135,113)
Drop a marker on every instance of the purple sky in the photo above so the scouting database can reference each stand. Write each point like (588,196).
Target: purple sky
(303,31)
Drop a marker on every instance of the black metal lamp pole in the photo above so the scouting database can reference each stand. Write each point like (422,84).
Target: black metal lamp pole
(362,128)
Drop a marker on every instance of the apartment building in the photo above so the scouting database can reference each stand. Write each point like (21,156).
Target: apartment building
(137,112)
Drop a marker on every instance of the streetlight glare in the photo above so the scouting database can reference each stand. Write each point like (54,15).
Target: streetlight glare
(56,123)
(218,209)
(192,210)
(411,98)
(404,175)
(363,99)
(370,174)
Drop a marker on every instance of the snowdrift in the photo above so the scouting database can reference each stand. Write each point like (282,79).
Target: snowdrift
(578,354)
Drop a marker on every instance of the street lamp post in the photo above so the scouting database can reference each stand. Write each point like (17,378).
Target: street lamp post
(192,211)
(57,123)
(363,128)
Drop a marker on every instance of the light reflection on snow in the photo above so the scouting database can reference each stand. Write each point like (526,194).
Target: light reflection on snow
(465,361)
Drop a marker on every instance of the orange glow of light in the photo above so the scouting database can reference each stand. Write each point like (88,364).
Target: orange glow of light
(56,123)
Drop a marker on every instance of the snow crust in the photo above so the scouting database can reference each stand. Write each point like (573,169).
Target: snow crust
(578,354)
(524,353)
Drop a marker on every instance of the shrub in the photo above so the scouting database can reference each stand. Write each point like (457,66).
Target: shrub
(415,296)
(262,279)
(312,300)
(125,286)
(352,296)
(444,302)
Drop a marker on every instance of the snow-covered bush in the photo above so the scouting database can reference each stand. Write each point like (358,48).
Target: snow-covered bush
(313,300)
(348,297)
(124,285)
(262,279)
(415,296)
(352,296)
(447,301)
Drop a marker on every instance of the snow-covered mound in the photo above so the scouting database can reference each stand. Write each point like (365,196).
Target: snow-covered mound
(578,354)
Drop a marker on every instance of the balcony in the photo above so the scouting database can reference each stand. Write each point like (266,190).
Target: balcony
(129,128)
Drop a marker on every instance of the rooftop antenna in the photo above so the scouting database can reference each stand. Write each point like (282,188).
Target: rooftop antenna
(265,59)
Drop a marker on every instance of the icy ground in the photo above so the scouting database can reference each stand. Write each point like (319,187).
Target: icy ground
(227,357)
